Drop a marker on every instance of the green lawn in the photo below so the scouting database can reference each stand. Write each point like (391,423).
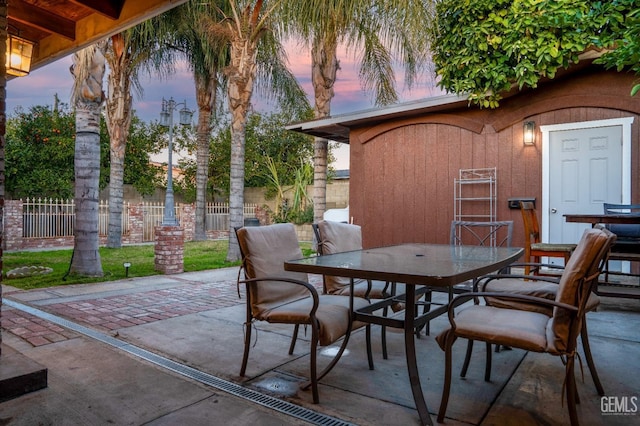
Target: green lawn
(198,256)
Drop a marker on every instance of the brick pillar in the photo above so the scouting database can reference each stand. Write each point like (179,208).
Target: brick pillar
(188,220)
(136,223)
(169,249)
(12,238)
(263,216)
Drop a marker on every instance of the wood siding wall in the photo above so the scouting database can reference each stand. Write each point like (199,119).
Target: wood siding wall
(403,171)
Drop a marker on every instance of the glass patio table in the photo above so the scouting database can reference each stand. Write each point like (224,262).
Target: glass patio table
(415,265)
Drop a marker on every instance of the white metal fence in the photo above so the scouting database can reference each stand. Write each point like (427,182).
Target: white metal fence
(152,215)
(47,218)
(217,215)
(103,218)
(52,218)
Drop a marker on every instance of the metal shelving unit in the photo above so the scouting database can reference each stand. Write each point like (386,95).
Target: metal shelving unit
(475,195)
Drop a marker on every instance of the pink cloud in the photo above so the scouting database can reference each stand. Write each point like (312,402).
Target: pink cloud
(41,85)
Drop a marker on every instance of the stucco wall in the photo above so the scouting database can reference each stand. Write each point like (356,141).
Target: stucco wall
(337,195)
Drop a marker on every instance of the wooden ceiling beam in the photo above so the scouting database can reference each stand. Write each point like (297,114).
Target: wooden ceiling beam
(42,19)
(110,9)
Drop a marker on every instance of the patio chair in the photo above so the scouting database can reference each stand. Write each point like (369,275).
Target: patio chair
(278,296)
(627,246)
(490,233)
(336,237)
(628,235)
(525,329)
(545,287)
(534,249)
(487,233)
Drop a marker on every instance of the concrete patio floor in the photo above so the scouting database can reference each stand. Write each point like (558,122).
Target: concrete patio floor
(123,348)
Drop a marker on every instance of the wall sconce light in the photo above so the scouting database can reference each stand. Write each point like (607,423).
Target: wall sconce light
(19,54)
(529,133)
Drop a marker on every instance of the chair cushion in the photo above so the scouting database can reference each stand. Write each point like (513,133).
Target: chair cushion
(509,327)
(624,231)
(360,289)
(531,287)
(583,260)
(535,288)
(265,250)
(332,315)
(553,247)
(338,237)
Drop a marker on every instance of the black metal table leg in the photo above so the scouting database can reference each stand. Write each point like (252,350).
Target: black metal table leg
(410,352)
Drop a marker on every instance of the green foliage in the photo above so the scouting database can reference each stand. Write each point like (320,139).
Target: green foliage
(275,185)
(484,47)
(265,137)
(623,35)
(142,141)
(39,152)
(299,208)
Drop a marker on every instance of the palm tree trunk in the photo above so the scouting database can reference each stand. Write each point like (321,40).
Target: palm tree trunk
(118,122)
(325,65)
(205,97)
(86,257)
(240,88)
(88,70)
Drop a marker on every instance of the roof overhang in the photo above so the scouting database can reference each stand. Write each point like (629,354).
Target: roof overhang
(337,128)
(61,27)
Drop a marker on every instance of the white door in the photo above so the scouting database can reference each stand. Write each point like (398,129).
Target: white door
(584,164)
(585,171)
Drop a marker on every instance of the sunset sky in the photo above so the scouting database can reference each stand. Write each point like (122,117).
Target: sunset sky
(40,86)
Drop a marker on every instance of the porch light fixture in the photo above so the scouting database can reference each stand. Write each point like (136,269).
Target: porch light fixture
(19,54)
(529,133)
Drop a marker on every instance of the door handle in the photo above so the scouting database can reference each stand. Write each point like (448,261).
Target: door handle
(554,210)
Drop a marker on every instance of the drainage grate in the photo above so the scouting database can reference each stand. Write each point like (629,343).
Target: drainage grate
(267,401)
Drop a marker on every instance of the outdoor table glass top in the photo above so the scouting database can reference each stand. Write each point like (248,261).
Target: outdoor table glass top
(424,264)
(415,265)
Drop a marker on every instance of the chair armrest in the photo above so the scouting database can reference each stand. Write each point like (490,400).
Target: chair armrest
(492,277)
(547,265)
(312,289)
(464,297)
(485,279)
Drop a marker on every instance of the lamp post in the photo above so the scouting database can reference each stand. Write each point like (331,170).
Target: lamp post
(166,119)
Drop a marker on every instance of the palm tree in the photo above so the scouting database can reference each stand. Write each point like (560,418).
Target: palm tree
(382,30)
(124,57)
(88,71)
(144,46)
(244,25)
(206,61)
